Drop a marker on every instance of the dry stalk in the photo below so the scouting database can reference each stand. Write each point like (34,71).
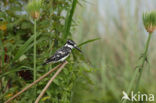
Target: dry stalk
(36,81)
(50,81)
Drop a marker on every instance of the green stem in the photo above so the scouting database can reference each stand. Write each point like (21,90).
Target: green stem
(139,69)
(35,56)
(143,61)
(34,49)
(3,52)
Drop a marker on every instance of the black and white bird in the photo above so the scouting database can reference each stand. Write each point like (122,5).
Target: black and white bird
(61,54)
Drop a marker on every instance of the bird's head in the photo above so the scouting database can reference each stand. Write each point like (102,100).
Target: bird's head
(71,44)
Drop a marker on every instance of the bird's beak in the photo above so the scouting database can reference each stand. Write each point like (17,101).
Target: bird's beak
(78,49)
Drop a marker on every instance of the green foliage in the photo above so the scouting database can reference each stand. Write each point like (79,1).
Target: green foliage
(16,44)
(115,55)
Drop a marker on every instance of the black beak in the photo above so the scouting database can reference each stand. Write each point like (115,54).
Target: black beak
(78,49)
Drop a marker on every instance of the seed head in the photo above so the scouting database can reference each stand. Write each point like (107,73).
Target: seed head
(33,8)
(149,20)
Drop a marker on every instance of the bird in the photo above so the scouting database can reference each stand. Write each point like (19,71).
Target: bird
(125,96)
(61,54)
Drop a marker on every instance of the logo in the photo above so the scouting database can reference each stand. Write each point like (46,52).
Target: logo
(137,97)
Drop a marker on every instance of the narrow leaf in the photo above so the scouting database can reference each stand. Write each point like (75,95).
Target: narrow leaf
(24,47)
(88,41)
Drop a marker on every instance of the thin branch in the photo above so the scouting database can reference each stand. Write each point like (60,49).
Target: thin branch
(36,81)
(50,81)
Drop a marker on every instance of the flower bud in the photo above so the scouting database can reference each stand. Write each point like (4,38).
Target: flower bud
(33,8)
(149,20)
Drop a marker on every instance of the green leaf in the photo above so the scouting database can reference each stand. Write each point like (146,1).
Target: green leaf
(24,47)
(68,21)
(88,41)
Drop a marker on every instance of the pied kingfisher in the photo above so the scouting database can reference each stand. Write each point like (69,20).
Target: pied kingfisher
(61,54)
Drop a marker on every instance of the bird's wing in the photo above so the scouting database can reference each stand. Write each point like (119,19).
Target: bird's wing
(62,52)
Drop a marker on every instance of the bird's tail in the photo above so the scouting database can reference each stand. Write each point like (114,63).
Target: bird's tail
(46,62)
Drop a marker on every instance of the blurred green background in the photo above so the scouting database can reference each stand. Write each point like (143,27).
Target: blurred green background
(119,25)
(113,58)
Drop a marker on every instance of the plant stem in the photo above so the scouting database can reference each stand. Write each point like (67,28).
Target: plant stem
(35,55)
(139,69)
(3,53)
(34,49)
(143,61)
(36,81)
(49,82)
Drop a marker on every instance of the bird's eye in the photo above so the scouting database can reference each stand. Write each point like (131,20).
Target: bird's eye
(70,43)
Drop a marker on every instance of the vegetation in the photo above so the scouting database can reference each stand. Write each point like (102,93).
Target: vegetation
(29,35)
(149,23)
(119,59)
(123,39)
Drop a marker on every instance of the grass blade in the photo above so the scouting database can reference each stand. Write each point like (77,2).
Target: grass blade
(23,48)
(69,19)
(88,41)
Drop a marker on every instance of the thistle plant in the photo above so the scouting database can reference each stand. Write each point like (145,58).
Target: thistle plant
(149,21)
(33,8)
